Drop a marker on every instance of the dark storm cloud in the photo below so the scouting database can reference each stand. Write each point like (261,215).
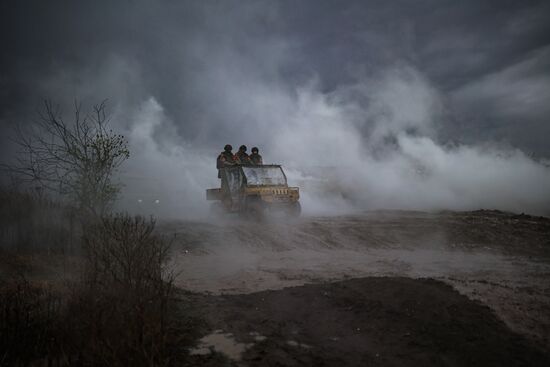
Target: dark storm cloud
(170,44)
(391,83)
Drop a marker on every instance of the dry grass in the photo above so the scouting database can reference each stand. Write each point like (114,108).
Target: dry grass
(120,310)
(29,322)
(32,222)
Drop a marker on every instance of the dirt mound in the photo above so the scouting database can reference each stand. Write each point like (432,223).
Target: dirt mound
(367,321)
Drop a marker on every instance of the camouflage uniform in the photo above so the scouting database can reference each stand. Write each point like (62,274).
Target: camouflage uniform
(224,159)
(242,158)
(256,159)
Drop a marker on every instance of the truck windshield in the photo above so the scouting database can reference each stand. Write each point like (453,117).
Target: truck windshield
(261,175)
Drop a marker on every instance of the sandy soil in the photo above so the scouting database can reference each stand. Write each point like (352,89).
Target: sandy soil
(499,259)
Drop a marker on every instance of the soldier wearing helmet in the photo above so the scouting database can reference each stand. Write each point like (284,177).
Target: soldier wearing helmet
(242,157)
(226,158)
(255,158)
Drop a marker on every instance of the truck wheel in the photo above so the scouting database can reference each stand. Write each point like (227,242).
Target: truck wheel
(255,210)
(217,210)
(294,209)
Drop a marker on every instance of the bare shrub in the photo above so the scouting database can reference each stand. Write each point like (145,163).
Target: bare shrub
(125,249)
(123,305)
(76,159)
(122,311)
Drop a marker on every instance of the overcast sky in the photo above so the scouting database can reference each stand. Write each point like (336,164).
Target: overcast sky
(459,73)
(489,59)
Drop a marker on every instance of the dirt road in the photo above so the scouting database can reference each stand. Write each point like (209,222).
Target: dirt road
(499,259)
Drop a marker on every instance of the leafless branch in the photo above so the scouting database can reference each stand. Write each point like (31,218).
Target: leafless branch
(77,159)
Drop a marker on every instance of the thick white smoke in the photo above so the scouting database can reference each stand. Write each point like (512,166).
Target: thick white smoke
(166,177)
(185,79)
(372,141)
(370,145)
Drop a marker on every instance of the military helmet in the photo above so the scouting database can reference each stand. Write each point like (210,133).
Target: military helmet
(243,148)
(255,149)
(228,148)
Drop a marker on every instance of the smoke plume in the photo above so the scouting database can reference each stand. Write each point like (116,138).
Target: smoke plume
(365,106)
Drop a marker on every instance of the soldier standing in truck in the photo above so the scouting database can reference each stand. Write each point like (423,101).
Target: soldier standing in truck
(242,157)
(226,158)
(255,158)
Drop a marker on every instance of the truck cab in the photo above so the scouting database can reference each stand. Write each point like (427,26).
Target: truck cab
(255,189)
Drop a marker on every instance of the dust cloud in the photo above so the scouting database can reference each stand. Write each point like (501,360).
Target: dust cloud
(369,145)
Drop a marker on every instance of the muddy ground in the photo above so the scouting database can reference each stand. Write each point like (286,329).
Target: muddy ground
(378,288)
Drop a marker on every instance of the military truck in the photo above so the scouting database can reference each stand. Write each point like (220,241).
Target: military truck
(254,190)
